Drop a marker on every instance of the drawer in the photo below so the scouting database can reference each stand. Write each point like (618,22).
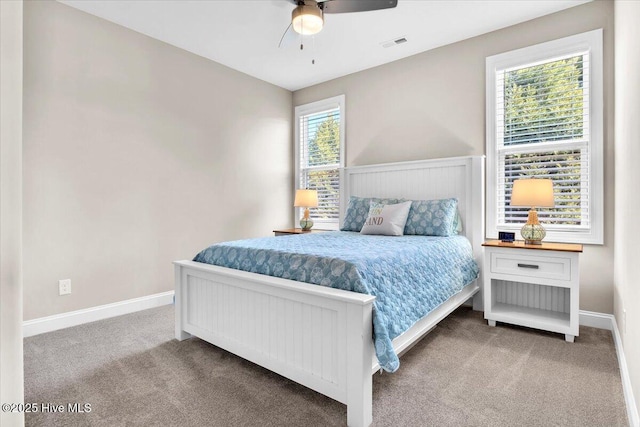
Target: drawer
(544,267)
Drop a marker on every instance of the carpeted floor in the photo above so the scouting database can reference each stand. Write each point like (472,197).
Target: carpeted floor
(464,373)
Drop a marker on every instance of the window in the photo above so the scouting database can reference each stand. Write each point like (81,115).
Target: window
(319,157)
(544,119)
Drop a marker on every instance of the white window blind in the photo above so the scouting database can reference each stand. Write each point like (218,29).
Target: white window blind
(547,123)
(319,132)
(543,132)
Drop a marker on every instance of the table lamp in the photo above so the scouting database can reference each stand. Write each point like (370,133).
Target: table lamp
(306,199)
(533,192)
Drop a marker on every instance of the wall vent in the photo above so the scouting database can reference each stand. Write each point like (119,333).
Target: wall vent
(394,42)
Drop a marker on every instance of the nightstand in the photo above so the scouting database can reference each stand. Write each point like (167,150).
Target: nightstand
(287,231)
(537,286)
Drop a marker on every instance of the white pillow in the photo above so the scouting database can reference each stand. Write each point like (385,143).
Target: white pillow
(388,220)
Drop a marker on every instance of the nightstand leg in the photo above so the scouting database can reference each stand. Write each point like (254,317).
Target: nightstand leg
(568,338)
(491,322)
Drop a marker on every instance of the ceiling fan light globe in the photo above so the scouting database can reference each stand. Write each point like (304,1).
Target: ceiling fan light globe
(307,19)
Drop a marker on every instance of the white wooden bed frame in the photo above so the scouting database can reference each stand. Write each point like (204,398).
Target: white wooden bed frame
(314,335)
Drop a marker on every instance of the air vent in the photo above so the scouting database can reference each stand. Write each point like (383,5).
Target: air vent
(394,42)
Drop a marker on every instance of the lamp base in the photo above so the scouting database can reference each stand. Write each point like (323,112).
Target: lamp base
(532,242)
(306,224)
(532,232)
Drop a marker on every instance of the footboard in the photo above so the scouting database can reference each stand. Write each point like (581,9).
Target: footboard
(316,336)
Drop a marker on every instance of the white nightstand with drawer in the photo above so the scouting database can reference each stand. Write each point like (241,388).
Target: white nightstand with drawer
(537,286)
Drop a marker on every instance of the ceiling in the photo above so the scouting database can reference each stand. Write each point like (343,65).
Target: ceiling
(244,34)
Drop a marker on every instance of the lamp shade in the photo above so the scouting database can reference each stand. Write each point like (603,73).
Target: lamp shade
(307,19)
(306,199)
(532,193)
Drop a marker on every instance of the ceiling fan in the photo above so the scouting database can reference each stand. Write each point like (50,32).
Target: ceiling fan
(308,16)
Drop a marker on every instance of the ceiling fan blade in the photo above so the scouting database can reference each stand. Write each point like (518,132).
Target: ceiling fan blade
(347,6)
(288,37)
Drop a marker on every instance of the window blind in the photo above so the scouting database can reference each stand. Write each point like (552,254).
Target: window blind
(319,157)
(542,126)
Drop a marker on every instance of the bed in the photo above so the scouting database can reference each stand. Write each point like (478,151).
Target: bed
(318,336)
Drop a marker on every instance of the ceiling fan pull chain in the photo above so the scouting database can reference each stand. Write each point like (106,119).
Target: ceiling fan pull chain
(301,45)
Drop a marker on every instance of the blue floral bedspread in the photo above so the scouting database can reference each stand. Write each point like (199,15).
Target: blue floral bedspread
(409,275)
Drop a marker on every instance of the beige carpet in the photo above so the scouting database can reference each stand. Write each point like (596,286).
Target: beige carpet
(464,373)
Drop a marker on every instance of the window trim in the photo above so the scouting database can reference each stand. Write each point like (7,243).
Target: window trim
(310,108)
(543,52)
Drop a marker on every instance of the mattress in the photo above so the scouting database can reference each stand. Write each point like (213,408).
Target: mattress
(409,275)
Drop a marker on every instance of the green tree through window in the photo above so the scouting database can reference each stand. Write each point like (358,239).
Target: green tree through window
(544,102)
(324,152)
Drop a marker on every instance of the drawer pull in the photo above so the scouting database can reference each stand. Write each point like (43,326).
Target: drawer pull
(535,267)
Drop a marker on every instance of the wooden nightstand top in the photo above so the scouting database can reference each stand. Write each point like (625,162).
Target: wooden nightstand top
(519,244)
(297,231)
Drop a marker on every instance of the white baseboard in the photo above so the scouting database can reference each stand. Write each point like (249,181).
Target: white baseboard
(74,318)
(596,320)
(632,409)
(608,321)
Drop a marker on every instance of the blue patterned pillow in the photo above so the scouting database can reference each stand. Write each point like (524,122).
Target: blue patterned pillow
(433,218)
(358,210)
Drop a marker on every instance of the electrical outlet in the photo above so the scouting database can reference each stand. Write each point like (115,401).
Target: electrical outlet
(64,287)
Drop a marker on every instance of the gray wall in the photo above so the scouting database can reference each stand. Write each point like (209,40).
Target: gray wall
(11,366)
(137,153)
(627,235)
(433,105)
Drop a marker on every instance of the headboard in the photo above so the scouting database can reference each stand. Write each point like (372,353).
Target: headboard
(459,177)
